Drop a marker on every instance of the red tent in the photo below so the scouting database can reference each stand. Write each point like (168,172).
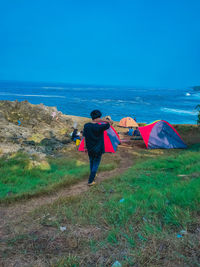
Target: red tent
(161,134)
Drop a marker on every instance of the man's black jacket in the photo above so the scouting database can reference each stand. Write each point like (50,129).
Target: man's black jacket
(93,133)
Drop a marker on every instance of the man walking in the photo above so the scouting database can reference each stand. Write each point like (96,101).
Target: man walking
(94,142)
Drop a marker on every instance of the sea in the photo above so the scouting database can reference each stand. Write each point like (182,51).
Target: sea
(176,106)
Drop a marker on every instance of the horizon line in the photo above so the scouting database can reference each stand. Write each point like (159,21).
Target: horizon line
(101,85)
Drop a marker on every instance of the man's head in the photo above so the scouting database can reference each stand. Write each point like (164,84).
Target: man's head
(95,114)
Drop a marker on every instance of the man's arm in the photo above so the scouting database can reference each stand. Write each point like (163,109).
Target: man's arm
(103,127)
(102,120)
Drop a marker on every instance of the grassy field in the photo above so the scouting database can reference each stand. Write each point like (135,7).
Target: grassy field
(23,177)
(149,216)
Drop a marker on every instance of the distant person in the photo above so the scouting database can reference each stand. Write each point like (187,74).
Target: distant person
(81,134)
(75,135)
(108,118)
(58,115)
(78,140)
(130,131)
(135,119)
(55,115)
(136,132)
(94,142)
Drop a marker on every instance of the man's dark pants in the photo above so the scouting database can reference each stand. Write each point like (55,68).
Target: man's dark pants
(95,160)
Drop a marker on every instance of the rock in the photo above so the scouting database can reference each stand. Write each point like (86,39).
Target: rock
(50,142)
(27,142)
(2,117)
(43,165)
(9,148)
(38,131)
(66,141)
(36,137)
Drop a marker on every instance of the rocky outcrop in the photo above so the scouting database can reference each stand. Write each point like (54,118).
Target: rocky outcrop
(28,114)
(33,128)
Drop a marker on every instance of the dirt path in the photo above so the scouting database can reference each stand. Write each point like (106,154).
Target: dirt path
(14,211)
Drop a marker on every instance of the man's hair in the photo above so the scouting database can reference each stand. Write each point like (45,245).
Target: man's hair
(95,114)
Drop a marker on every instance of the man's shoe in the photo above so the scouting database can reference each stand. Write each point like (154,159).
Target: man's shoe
(90,184)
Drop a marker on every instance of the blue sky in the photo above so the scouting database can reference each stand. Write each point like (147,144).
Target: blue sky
(107,42)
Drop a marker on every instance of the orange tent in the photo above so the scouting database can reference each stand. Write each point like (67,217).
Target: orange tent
(128,122)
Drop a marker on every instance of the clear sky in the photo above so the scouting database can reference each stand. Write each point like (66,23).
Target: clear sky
(104,42)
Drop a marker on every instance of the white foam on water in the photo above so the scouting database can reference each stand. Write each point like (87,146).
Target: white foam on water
(52,87)
(48,96)
(179,111)
(196,95)
(138,100)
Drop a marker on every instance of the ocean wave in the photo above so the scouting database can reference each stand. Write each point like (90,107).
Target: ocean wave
(138,100)
(117,102)
(53,87)
(48,96)
(90,88)
(192,96)
(179,111)
(136,90)
(196,95)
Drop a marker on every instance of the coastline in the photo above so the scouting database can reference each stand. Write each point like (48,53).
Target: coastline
(146,104)
(44,130)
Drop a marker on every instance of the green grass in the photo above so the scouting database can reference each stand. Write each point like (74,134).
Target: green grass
(153,187)
(148,216)
(142,212)
(22,177)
